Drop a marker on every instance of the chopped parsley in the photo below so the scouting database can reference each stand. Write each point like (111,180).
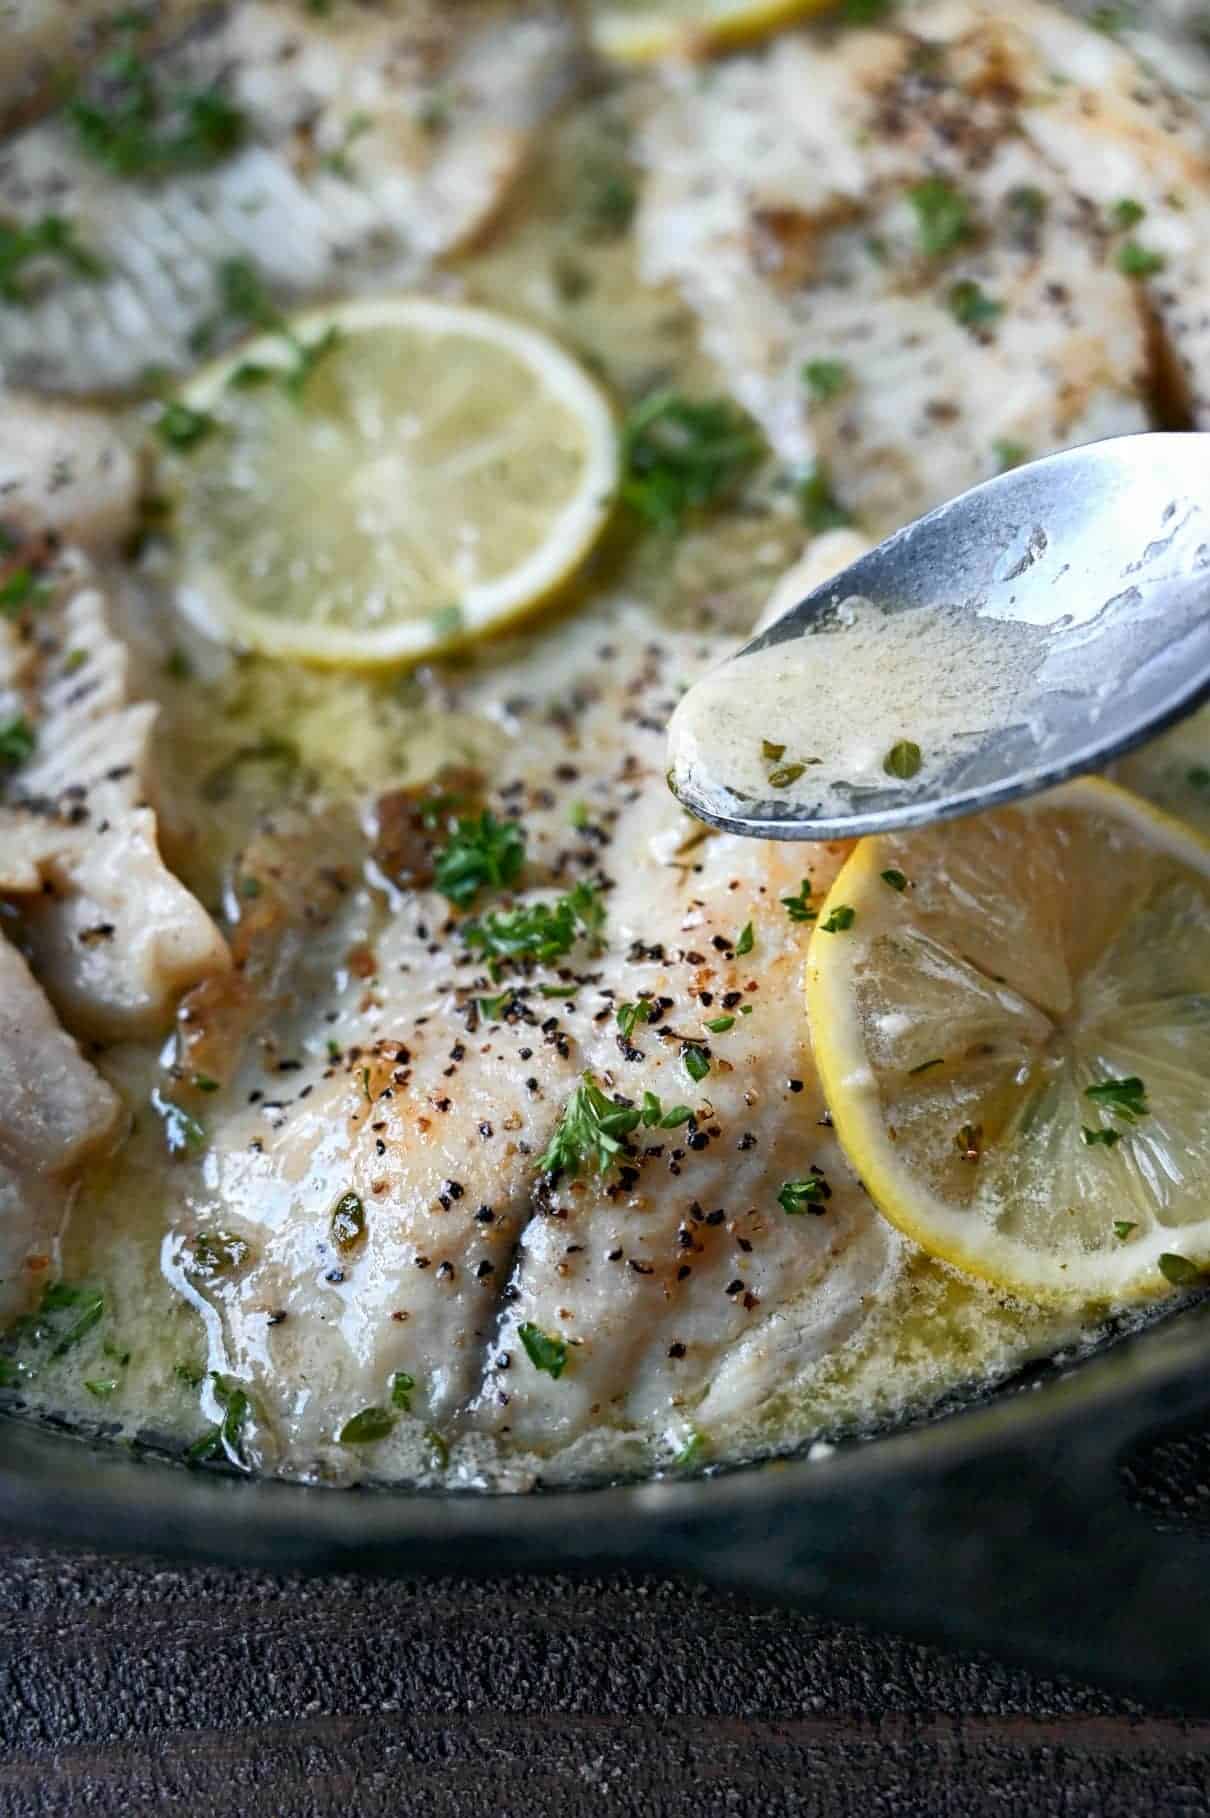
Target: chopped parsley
(798,907)
(1126,214)
(544,1352)
(1198,777)
(1106,1138)
(785,775)
(971,306)
(839,921)
(696,1060)
(17,742)
(482,853)
(66,1314)
(818,505)
(182,1132)
(541,932)
(1009,454)
(807,1195)
(631,1014)
(1124,1097)
(1179,1270)
(943,216)
(691,1453)
(746,941)
(366,1427)
(22,246)
(894,880)
(903,760)
(182,428)
(1122,1227)
(213,1253)
(826,379)
(1135,261)
(682,454)
(592,1130)
(228,1436)
(139,130)
(101,1386)
(402,1386)
(348,1223)
(655,1117)
(719,1025)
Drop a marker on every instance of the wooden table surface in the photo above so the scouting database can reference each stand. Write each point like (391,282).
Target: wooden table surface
(137,1689)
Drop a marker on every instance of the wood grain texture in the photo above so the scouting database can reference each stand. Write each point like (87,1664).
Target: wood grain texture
(133,1689)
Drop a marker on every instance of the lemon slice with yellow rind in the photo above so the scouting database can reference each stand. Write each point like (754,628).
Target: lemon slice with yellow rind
(640,31)
(385,478)
(1011,1018)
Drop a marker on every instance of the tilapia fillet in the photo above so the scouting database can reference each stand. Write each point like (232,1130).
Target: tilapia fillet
(365,150)
(907,247)
(397,1077)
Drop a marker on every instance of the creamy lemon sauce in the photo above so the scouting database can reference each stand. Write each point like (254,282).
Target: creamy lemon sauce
(240,736)
(869,705)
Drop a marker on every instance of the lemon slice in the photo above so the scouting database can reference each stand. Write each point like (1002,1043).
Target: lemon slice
(638,31)
(384,478)
(1011,1018)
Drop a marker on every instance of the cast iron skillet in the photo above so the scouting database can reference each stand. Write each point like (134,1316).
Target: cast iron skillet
(1004,1527)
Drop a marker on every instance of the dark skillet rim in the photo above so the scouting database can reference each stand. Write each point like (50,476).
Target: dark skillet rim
(58,1487)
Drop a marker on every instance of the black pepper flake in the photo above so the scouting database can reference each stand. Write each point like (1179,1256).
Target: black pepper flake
(531,1084)
(613,1255)
(454,1188)
(525,1053)
(684,1272)
(716,1217)
(731,999)
(484,1269)
(744,1245)
(746,1141)
(641,1268)
(445,1271)
(676,1350)
(423,1262)
(276,1317)
(336,1276)
(380,1147)
(795,1085)
(485,1130)
(485,1216)
(697,1139)
(734,1287)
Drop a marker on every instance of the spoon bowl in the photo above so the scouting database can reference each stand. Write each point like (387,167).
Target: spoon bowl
(1096,562)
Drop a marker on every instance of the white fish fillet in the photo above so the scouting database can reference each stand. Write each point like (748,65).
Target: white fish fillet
(679,1285)
(55,1112)
(779,199)
(114,936)
(66,473)
(376,144)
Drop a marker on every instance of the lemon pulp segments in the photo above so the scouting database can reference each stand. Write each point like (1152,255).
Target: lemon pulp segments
(442,470)
(994,971)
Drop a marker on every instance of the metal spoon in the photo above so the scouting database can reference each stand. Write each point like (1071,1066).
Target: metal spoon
(1103,550)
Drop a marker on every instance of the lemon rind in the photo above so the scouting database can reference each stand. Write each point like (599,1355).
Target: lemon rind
(851,1092)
